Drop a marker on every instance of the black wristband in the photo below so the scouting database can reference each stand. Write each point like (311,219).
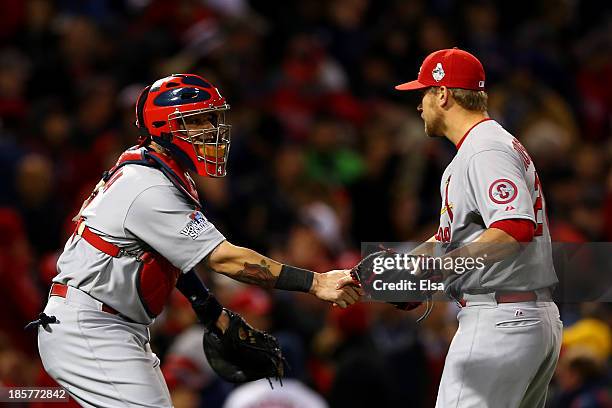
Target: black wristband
(206,307)
(292,278)
(208,312)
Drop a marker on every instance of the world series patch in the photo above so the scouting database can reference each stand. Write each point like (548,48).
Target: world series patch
(196,226)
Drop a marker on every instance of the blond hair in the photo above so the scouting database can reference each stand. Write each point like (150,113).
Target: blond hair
(470,100)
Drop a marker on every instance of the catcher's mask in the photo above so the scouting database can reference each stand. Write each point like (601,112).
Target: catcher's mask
(186,115)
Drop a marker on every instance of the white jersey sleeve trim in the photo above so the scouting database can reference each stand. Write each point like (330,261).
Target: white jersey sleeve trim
(206,250)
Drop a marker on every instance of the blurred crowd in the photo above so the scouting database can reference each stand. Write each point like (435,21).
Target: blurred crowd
(325,155)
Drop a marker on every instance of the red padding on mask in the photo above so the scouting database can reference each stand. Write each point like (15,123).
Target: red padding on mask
(520,229)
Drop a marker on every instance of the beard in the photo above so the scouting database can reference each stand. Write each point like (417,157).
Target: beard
(435,127)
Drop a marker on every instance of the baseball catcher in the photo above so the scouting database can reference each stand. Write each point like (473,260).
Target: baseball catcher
(140,234)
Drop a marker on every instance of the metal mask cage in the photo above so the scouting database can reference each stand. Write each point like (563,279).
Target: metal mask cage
(211,145)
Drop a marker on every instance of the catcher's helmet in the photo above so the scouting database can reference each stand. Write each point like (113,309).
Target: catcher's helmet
(169,111)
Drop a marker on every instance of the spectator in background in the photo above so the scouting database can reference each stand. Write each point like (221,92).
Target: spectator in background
(292,394)
(524,103)
(403,345)
(581,381)
(20,297)
(593,80)
(14,72)
(330,161)
(40,211)
(592,331)
(15,368)
(191,380)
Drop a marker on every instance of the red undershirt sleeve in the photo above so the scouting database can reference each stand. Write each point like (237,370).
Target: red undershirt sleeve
(521,230)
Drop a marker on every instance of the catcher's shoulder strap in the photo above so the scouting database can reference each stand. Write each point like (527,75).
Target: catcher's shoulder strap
(145,157)
(142,156)
(171,169)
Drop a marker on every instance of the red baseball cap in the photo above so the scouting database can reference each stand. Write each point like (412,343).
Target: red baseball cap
(452,67)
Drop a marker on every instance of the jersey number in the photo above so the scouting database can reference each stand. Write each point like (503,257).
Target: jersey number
(101,186)
(443,234)
(538,210)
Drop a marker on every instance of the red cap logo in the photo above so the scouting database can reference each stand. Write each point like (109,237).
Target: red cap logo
(453,68)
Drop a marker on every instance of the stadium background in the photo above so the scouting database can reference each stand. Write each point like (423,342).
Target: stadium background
(325,155)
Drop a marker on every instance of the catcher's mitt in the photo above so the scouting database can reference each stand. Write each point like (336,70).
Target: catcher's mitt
(242,353)
(364,273)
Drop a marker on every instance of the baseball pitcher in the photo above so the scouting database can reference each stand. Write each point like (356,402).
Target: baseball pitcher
(507,345)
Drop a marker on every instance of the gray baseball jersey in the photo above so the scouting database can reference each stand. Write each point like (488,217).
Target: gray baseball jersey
(139,209)
(492,178)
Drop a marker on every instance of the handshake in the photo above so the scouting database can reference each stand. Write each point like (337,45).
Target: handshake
(338,287)
(345,287)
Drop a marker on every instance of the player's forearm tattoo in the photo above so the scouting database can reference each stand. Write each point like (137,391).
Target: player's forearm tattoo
(256,274)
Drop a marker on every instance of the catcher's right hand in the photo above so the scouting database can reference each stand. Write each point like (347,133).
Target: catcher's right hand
(242,353)
(336,286)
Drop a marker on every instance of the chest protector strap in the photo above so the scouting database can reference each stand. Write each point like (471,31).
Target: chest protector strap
(150,158)
(156,275)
